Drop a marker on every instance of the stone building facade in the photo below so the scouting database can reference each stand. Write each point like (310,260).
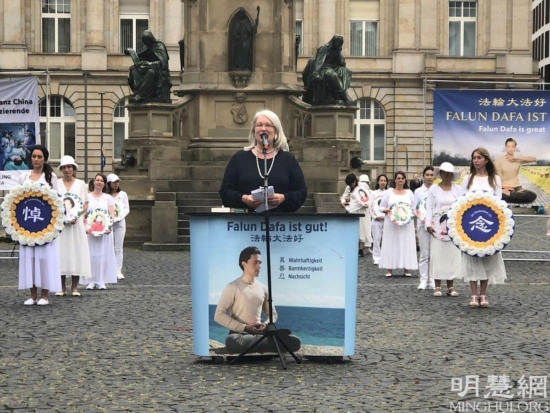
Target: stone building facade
(398,51)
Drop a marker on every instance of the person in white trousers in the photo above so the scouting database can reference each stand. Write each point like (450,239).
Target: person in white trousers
(423,236)
(122,208)
(377,224)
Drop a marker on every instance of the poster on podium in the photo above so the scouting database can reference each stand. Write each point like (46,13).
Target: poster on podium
(313,275)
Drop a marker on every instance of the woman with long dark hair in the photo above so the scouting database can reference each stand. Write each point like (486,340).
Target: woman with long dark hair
(486,270)
(39,265)
(399,243)
(424,237)
(377,224)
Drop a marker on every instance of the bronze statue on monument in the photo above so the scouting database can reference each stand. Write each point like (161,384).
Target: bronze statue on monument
(149,77)
(326,77)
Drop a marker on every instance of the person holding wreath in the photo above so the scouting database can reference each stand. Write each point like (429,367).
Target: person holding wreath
(487,270)
(119,227)
(245,171)
(74,256)
(399,243)
(445,259)
(102,251)
(39,265)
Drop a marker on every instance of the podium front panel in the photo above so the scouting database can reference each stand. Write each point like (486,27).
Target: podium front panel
(313,274)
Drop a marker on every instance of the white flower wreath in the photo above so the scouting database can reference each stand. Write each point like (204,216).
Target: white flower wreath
(497,242)
(92,216)
(32,190)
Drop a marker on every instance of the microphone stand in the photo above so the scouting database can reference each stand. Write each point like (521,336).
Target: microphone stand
(270,330)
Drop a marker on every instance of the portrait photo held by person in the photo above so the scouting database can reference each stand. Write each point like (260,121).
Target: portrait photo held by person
(326,77)
(240,310)
(246,169)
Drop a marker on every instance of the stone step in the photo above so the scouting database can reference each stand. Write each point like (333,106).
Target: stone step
(198,195)
(201,185)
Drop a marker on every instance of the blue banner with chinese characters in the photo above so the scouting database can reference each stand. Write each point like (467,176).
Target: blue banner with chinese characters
(313,273)
(466,119)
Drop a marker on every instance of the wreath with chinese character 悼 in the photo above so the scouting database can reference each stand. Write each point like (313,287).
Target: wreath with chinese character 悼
(33,214)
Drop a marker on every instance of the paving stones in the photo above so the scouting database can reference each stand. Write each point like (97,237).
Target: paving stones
(129,348)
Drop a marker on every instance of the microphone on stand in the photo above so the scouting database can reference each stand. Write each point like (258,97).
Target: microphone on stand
(264,140)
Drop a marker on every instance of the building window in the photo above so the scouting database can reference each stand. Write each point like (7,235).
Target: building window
(364,38)
(299,36)
(56,26)
(462,28)
(131,28)
(58,130)
(370,130)
(120,127)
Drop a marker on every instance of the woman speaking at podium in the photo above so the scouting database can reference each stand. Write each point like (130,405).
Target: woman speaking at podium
(246,169)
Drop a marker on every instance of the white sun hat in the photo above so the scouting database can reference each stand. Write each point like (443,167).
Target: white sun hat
(364,178)
(67,160)
(447,167)
(112,178)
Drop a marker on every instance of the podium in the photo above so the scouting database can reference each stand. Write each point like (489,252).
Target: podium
(313,273)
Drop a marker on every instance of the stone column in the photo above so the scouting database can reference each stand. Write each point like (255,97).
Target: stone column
(172,30)
(327,21)
(94,56)
(407,59)
(13,48)
(497,14)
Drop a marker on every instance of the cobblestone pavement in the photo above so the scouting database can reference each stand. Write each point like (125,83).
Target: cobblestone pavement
(129,348)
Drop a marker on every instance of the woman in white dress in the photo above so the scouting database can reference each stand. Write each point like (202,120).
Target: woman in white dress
(39,265)
(119,228)
(486,270)
(102,252)
(445,257)
(377,223)
(355,201)
(423,236)
(399,243)
(74,256)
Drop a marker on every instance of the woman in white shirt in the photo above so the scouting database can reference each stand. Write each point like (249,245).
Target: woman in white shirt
(486,270)
(119,227)
(377,224)
(445,257)
(39,265)
(399,243)
(423,236)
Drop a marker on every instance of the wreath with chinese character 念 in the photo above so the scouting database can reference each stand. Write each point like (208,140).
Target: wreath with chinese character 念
(33,214)
(480,224)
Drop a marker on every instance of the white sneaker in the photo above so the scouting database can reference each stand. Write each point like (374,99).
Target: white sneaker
(90,286)
(389,274)
(431,286)
(375,261)
(42,301)
(101,286)
(30,301)
(423,285)
(120,276)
